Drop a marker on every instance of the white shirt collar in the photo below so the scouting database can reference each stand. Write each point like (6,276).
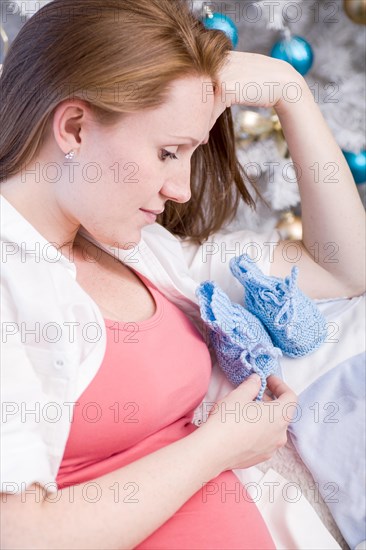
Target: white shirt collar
(21,234)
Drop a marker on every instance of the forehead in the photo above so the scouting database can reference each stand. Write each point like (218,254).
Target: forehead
(187,111)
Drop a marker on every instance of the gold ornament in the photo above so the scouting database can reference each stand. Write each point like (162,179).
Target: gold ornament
(290,226)
(254,127)
(356,10)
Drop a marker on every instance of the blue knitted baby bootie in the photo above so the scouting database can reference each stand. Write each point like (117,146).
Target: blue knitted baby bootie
(240,341)
(293,321)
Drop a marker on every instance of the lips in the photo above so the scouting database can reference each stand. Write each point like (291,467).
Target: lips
(149,216)
(156,212)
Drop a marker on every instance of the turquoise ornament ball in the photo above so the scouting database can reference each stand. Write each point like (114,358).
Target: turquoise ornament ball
(221,22)
(296,51)
(357,164)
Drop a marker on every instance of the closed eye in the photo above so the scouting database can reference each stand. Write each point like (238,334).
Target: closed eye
(167,154)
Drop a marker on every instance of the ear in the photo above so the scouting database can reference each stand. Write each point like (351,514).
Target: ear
(69,119)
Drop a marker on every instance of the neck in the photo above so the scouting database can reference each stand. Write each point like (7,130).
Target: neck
(35,202)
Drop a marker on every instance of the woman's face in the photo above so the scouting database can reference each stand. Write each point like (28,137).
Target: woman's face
(138,165)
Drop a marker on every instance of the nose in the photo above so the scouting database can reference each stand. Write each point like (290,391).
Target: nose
(177,187)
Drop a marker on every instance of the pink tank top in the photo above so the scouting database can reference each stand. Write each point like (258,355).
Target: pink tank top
(153,375)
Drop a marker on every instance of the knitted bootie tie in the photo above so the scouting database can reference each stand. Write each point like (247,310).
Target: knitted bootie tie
(293,321)
(240,341)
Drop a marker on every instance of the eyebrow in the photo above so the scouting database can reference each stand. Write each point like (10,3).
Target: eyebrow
(192,140)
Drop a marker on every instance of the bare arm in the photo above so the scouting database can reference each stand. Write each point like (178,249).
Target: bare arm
(134,501)
(162,482)
(331,254)
(332,250)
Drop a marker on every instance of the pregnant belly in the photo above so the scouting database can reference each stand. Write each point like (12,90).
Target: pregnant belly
(221,515)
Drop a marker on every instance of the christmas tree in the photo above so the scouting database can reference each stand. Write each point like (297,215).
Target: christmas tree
(326,42)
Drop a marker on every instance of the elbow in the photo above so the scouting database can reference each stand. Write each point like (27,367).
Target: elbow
(355,289)
(360,291)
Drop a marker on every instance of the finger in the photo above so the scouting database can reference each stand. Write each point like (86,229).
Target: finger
(266,397)
(251,386)
(269,393)
(280,389)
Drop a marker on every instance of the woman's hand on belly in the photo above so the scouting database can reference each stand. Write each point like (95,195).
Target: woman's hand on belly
(247,432)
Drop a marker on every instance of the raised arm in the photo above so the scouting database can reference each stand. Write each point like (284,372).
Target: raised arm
(331,254)
(332,248)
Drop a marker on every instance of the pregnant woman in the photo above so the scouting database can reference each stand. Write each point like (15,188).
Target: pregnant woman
(113,112)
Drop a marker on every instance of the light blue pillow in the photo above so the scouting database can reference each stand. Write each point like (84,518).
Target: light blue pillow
(328,432)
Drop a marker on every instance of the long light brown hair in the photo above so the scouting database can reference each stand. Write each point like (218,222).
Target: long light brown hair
(120,57)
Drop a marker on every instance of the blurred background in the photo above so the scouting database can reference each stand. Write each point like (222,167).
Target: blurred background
(325,41)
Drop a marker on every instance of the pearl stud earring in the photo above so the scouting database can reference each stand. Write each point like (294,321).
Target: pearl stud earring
(70,155)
